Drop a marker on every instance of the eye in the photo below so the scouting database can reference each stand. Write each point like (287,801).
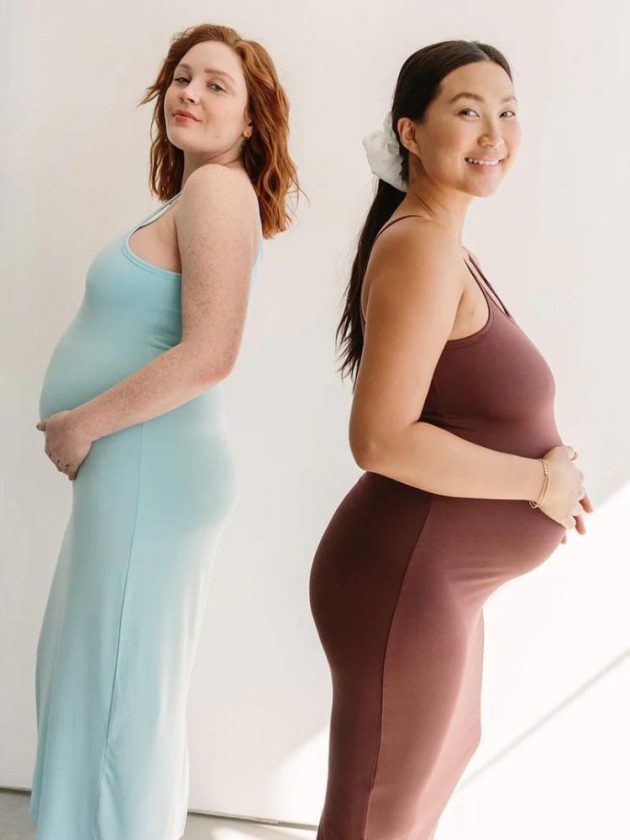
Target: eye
(184,79)
(464,110)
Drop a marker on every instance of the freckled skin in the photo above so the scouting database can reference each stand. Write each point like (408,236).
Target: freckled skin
(212,233)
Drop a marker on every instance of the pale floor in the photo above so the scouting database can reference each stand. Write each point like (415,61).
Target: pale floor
(16,824)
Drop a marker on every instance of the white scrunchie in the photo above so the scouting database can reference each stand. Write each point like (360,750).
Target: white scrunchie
(383,154)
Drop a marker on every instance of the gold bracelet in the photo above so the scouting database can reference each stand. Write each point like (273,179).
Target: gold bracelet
(546,480)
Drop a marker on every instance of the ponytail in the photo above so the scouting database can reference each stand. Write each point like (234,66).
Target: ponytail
(418,83)
(349,334)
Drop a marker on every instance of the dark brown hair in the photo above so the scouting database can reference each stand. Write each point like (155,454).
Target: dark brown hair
(417,85)
(265,153)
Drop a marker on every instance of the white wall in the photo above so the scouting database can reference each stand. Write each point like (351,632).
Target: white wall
(553,241)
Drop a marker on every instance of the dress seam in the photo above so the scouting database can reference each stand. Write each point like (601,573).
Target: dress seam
(389,631)
(402,584)
(120,622)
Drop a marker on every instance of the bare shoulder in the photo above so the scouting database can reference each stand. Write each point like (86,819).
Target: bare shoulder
(414,259)
(217,197)
(213,186)
(213,176)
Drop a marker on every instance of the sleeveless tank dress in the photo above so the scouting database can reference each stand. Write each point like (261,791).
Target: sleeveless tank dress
(397,588)
(120,628)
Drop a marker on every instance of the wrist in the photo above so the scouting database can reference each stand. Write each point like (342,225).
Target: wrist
(544,479)
(79,421)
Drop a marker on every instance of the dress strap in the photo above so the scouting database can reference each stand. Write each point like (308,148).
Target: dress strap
(495,297)
(393,222)
(156,211)
(385,226)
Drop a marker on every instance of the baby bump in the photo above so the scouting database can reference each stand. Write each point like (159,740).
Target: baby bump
(489,540)
(88,359)
(384,530)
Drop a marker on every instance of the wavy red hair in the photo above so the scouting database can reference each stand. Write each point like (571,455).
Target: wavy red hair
(265,154)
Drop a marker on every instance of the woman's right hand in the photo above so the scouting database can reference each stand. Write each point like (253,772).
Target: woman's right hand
(565,499)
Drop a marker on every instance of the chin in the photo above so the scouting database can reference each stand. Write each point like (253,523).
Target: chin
(482,190)
(490,190)
(180,144)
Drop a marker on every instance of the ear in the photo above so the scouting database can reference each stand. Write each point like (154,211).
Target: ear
(248,118)
(407,133)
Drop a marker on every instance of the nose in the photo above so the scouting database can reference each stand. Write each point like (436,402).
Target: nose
(187,93)
(492,136)
(492,141)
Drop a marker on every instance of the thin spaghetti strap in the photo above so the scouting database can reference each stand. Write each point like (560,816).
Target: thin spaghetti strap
(497,299)
(155,211)
(385,226)
(393,222)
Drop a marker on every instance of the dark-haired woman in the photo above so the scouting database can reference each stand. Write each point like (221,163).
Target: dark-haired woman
(131,407)
(467,483)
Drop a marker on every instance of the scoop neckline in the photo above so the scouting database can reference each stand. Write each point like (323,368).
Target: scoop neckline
(156,269)
(472,337)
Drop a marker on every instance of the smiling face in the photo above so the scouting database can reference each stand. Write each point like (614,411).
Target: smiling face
(474,118)
(210,85)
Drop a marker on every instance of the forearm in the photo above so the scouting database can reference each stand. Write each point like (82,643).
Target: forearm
(168,381)
(436,460)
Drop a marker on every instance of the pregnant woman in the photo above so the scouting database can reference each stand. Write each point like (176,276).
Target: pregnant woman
(132,412)
(453,422)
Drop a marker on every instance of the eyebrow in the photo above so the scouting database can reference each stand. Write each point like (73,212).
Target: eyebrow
(476,96)
(207,70)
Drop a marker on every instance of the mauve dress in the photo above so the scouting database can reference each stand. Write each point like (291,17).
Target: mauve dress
(397,588)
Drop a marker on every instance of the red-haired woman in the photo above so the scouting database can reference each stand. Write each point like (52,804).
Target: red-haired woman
(453,421)
(132,412)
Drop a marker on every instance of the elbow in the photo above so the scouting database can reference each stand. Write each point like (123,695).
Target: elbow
(207,366)
(212,373)
(367,451)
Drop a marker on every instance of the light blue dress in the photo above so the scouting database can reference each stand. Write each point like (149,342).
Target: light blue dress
(119,634)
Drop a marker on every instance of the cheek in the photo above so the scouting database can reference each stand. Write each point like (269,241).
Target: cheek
(456,143)
(169,96)
(513,136)
(442,148)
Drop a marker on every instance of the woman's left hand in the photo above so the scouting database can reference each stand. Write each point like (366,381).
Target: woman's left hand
(67,445)
(580,527)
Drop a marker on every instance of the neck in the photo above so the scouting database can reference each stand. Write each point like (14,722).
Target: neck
(445,207)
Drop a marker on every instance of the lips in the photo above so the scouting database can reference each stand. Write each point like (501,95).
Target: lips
(180,113)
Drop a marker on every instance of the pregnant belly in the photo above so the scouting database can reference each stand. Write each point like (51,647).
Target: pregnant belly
(88,360)
(475,542)
(490,540)
(91,357)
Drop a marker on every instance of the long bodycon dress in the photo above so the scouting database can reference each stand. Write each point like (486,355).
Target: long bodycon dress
(397,588)
(119,633)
